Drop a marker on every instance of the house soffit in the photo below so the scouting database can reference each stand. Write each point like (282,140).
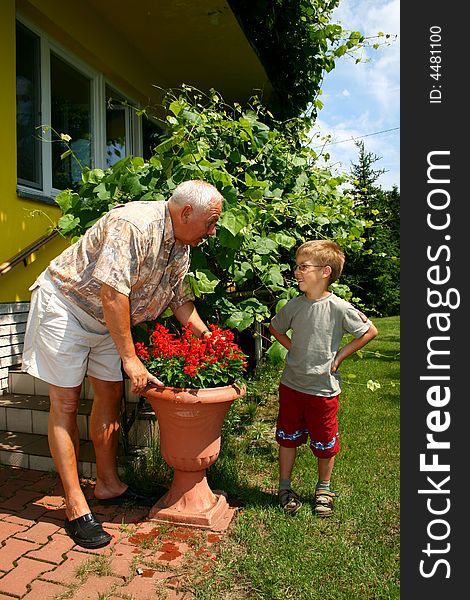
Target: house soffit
(199,43)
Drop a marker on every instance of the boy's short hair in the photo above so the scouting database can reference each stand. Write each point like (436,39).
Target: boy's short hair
(324,252)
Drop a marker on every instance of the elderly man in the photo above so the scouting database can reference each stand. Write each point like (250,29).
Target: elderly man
(126,269)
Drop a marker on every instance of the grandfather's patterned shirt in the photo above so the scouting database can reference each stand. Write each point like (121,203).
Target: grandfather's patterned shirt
(133,250)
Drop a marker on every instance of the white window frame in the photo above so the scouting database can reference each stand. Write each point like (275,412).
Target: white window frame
(98,113)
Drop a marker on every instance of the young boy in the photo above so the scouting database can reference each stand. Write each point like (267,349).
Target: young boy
(310,384)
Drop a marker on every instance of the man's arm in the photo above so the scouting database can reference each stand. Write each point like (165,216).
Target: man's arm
(353,346)
(187,313)
(116,309)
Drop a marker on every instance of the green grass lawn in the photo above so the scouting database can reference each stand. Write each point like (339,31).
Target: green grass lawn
(355,553)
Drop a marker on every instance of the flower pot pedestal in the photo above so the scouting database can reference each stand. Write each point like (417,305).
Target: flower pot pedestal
(190,423)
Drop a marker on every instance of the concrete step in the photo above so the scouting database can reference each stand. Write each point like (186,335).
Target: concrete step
(23,431)
(31,451)
(28,413)
(20,382)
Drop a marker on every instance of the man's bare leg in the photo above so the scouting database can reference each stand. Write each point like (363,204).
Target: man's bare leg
(63,436)
(104,425)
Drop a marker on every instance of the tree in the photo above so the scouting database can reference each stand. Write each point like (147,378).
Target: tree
(297,45)
(374,273)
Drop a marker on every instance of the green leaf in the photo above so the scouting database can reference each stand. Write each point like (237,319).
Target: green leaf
(234,220)
(207,281)
(284,240)
(280,304)
(65,154)
(276,353)
(230,194)
(67,223)
(202,282)
(299,161)
(373,385)
(92,175)
(102,191)
(263,245)
(272,278)
(239,320)
(64,200)
(175,107)
(243,273)
(228,240)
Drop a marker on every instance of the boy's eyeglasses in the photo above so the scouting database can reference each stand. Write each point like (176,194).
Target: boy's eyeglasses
(305,267)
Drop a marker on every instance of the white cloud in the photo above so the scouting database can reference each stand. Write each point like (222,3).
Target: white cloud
(362,101)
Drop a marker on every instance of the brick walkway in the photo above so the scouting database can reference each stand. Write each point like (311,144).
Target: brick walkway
(38,561)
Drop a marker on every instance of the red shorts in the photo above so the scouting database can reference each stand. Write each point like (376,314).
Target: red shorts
(302,415)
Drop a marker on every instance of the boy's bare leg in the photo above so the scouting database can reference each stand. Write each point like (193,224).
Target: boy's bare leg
(323,494)
(325,468)
(286,461)
(288,499)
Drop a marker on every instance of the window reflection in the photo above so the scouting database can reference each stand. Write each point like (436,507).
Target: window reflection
(28,102)
(151,136)
(116,117)
(70,114)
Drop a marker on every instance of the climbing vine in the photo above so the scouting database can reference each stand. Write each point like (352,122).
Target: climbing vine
(297,44)
(277,195)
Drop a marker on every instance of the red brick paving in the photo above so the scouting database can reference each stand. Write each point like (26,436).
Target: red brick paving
(39,532)
(38,560)
(17,580)
(43,590)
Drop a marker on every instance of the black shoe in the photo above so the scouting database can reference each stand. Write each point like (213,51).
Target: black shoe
(130,495)
(87,532)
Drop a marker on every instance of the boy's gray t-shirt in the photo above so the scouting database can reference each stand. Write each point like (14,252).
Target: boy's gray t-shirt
(317,329)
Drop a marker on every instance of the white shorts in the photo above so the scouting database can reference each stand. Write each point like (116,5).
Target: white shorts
(63,343)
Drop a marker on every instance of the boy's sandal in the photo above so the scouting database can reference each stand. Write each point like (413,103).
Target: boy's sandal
(289,501)
(324,503)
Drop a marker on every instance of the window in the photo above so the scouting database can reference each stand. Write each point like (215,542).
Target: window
(57,92)
(70,114)
(118,125)
(151,136)
(123,126)
(28,111)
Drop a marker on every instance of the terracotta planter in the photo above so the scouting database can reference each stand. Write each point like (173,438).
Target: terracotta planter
(190,423)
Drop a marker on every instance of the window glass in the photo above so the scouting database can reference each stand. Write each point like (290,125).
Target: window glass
(28,113)
(151,136)
(116,116)
(70,114)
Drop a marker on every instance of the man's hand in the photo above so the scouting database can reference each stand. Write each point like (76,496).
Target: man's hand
(116,309)
(138,375)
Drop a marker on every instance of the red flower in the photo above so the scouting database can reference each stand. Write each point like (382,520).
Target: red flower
(189,361)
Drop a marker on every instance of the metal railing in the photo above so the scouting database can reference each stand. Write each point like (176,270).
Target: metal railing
(26,252)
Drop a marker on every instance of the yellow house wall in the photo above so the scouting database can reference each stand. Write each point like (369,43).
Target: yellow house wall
(81,29)
(23,221)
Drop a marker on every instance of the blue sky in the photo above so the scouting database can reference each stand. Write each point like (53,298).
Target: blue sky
(361,100)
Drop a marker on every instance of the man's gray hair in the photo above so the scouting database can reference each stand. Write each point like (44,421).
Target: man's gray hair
(199,194)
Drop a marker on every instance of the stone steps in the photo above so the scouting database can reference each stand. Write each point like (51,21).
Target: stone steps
(24,412)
